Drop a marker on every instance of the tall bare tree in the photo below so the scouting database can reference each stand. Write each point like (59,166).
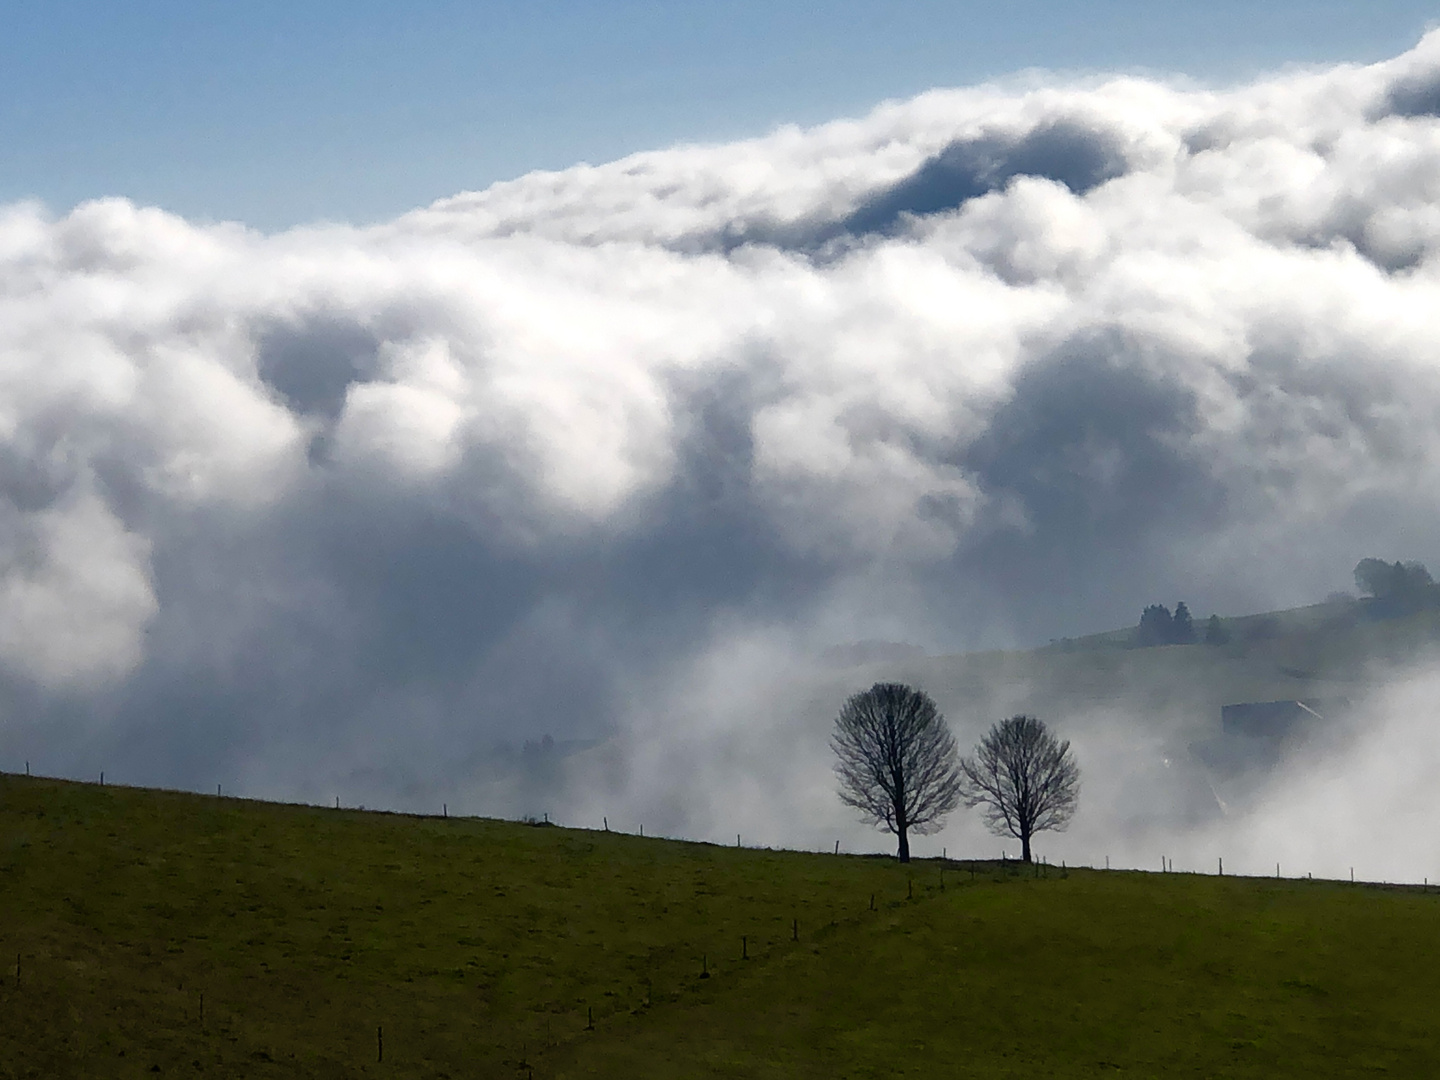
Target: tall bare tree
(1026,780)
(896,761)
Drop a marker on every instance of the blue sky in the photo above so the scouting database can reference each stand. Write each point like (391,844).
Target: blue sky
(277,113)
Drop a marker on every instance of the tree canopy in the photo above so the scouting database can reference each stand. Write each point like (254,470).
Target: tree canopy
(896,761)
(1024,778)
(1159,627)
(1385,581)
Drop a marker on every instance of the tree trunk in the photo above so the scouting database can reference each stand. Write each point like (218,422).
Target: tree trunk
(904,845)
(1025,843)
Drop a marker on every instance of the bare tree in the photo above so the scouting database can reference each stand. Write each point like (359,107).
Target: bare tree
(897,761)
(1025,778)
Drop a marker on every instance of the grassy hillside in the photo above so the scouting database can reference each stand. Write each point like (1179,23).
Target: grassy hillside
(1323,651)
(483,948)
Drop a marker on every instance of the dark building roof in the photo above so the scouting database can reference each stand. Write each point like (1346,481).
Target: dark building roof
(1276,719)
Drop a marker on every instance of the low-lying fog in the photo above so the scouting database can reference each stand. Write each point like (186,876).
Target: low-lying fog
(743,748)
(627,456)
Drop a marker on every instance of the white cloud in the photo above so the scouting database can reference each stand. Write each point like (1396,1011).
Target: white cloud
(75,598)
(998,362)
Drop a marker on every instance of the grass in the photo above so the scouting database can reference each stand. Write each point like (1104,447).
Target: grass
(484,948)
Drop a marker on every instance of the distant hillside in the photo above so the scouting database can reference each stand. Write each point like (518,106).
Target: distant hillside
(1339,648)
(158,933)
(1153,714)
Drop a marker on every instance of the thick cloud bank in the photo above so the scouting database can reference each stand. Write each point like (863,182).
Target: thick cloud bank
(354,510)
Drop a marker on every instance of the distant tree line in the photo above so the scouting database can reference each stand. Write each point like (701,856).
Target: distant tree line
(1159,627)
(1395,588)
(1384,580)
(1388,589)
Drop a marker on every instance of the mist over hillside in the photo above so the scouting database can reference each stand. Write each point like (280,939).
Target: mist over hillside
(615,454)
(744,746)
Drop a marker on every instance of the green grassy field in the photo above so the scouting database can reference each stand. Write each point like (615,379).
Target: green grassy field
(483,948)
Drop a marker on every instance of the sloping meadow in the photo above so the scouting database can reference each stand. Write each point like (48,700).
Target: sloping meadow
(168,933)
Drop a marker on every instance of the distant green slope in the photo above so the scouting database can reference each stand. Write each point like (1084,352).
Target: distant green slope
(1332,650)
(482,948)
(1167,698)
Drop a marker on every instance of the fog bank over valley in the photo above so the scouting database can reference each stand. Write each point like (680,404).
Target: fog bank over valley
(595,493)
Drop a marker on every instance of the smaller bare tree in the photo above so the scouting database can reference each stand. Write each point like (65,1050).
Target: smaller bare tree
(1026,780)
(897,761)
